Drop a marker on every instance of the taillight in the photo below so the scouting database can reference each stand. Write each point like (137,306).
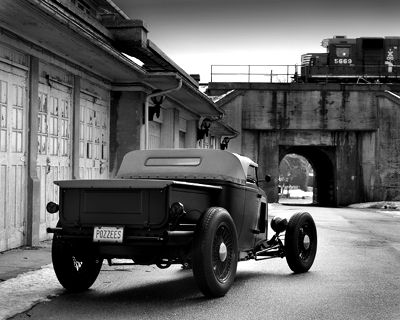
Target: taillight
(52,207)
(176,210)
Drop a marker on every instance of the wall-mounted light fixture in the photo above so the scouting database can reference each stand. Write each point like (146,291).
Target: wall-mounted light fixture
(156,108)
(149,77)
(203,130)
(224,143)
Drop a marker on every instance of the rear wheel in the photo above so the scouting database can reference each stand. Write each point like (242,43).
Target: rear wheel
(301,242)
(75,269)
(215,252)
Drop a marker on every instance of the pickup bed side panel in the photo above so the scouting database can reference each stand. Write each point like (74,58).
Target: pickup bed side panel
(231,197)
(195,201)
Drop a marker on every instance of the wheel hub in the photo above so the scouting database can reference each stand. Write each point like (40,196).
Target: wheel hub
(306,242)
(223,252)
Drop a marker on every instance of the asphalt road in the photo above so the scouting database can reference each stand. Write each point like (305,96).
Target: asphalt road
(356,275)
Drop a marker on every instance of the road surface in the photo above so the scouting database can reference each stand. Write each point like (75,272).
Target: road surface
(356,275)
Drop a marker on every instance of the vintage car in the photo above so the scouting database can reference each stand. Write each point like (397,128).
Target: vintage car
(200,208)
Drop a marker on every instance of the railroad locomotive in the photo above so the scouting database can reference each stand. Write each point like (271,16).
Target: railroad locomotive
(360,60)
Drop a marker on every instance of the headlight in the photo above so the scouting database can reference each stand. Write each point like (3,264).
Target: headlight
(52,207)
(279,224)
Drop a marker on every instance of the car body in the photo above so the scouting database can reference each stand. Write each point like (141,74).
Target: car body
(201,208)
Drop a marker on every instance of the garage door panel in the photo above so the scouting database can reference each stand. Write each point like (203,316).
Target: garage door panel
(94,138)
(54,142)
(13,137)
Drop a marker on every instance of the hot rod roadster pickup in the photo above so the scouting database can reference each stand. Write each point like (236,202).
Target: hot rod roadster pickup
(201,208)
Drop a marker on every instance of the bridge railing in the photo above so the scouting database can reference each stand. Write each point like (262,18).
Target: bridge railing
(288,73)
(254,73)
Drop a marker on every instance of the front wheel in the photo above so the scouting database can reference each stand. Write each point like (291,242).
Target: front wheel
(215,252)
(301,242)
(75,269)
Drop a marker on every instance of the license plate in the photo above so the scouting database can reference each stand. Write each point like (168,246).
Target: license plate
(108,234)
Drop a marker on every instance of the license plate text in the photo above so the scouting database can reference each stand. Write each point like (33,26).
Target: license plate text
(108,234)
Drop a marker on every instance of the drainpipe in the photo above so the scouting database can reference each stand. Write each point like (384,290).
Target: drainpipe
(146,105)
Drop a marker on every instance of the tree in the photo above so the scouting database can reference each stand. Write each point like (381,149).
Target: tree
(294,170)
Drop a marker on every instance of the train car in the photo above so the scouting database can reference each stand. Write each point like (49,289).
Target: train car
(360,60)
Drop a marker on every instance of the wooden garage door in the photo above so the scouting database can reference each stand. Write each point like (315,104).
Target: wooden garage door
(13,170)
(54,140)
(94,138)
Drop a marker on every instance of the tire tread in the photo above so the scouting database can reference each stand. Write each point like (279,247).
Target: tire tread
(202,261)
(291,243)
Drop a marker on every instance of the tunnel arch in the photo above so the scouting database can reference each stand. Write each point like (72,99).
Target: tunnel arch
(322,160)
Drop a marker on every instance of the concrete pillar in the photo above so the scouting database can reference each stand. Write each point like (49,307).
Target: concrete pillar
(268,162)
(170,129)
(348,165)
(76,127)
(33,193)
(126,121)
(191,134)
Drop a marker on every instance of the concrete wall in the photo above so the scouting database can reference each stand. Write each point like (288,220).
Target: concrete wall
(127,127)
(386,184)
(353,128)
(125,124)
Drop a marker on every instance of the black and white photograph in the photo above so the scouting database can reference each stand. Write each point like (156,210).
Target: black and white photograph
(199,160)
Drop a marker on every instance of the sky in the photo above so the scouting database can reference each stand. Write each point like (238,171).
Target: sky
(197,34)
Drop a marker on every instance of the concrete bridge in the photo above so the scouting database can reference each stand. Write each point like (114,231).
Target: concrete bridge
(350,134)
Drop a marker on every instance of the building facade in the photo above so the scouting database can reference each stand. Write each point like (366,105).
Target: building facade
(73,102)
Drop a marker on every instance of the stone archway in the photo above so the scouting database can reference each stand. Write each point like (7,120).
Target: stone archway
(322,159)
